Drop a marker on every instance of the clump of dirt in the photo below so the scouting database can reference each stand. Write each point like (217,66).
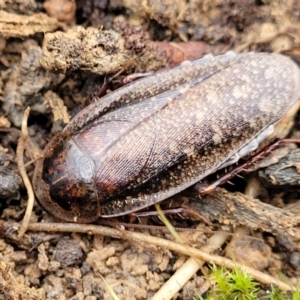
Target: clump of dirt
(55,56)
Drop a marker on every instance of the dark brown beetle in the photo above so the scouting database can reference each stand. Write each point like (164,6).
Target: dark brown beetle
(157,136)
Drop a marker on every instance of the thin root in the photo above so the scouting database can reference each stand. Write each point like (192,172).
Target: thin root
(23,173)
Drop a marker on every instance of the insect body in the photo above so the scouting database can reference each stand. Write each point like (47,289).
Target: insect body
(157,136)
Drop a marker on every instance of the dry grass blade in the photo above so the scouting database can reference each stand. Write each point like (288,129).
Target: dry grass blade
(183,249)
(22,170)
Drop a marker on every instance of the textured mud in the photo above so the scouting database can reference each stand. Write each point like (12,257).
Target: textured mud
(54,57)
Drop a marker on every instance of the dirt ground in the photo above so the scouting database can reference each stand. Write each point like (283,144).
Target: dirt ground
(55,57)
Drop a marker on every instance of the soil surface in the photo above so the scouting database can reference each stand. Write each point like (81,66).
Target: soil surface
(56,56)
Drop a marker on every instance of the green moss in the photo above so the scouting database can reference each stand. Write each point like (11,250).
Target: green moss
(277,294)
(238,285)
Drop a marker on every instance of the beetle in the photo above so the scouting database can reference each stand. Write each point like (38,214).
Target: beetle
(161,134)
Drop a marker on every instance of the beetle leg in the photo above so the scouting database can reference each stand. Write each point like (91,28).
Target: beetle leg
(135,76)
(204,190)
